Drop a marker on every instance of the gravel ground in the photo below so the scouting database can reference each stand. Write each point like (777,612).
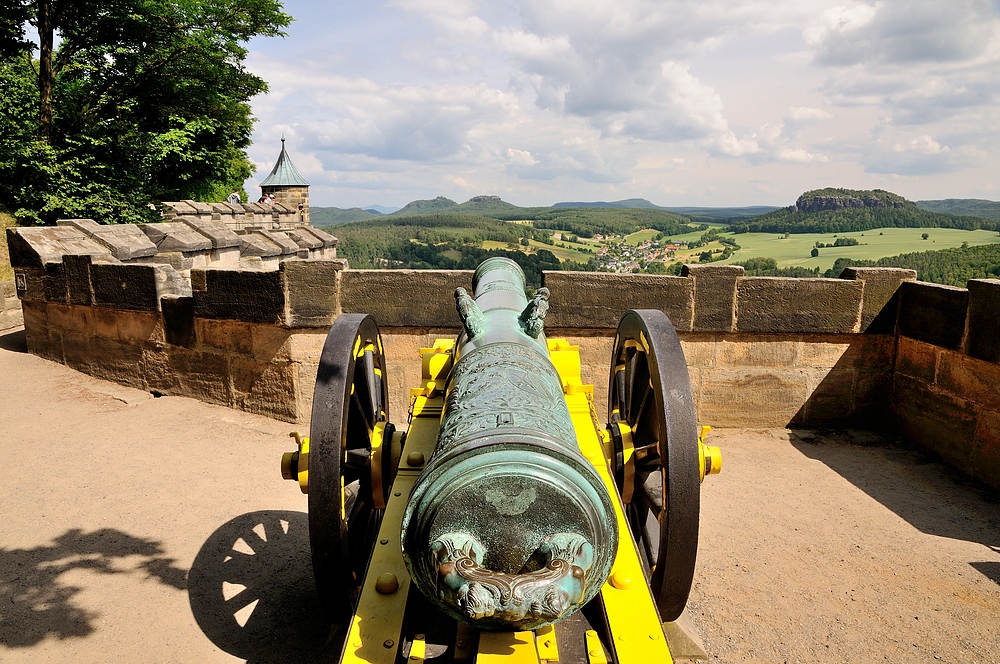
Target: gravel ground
(145,529)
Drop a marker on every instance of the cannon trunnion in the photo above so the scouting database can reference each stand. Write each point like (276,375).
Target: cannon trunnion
(505,507)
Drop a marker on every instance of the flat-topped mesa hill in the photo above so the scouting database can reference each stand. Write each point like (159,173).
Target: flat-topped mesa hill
(834,210)
(819,200)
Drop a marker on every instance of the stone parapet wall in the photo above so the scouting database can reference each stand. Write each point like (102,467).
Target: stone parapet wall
(239,216)
(10,307)
(761,352)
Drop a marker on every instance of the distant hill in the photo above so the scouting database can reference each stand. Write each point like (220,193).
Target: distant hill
(627,203)
(835,210)
(333,216)
(426,206)
(494,207)
(969,207)
(723,213)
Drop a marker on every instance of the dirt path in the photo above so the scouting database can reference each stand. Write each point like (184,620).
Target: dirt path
(121,513)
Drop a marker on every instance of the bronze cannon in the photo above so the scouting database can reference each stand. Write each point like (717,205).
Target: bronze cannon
(505,504)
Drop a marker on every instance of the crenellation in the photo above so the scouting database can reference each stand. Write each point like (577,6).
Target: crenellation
(125,241)
(780,304)
(714,296)
(800,352)
(933,313)
(983,338)
(597,299)
(879,302)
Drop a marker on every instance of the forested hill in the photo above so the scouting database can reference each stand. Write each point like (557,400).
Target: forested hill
(971,207)
(846,210)
(947,266)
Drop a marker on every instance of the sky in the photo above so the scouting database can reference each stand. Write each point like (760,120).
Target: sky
(680,102)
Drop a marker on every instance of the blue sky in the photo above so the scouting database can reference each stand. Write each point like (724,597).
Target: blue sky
(706,102)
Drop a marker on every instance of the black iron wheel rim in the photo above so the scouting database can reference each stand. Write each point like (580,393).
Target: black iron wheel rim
(650,391)
(350,397)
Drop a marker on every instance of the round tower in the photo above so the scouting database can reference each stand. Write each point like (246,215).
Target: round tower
(288,187)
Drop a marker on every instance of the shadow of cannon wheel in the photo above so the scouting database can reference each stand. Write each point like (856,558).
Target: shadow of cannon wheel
(252,593)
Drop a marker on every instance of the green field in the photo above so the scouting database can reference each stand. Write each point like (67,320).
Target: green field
(639,237)
(794,250)
(561,253)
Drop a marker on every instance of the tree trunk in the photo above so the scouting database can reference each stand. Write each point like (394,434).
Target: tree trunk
(46,78)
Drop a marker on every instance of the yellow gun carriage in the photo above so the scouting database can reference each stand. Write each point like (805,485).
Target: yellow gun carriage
(372,527)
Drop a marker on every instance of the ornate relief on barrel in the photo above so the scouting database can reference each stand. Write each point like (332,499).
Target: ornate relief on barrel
(509,386)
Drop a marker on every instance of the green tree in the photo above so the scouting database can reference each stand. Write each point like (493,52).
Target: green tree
(814,253)
(141,101)
(924,236)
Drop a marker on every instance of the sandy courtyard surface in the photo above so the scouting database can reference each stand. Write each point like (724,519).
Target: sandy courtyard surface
(142,529)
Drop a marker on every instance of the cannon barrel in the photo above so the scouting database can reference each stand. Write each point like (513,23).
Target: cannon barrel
(509,526)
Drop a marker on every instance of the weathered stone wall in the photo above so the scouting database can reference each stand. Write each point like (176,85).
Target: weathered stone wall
(10,307)
(874,348)
(946,379)
(282,214)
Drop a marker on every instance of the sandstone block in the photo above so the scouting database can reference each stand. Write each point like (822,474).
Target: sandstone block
(201,375)
(156,371)
(598,299)
(312,291)
(714,296)
(307,346)
(176,209)
(288,246)
(220,235)
(751,397)
(757,352)
(135,286)
(226,336)
(776,304)
(974,380)
(404,298)
(251,296)
(34,247)
(10,319)
(934,420)
(822,353)
(933,313)
(917,359)
(116,361)
(175,236)
(124,241)
(270,342)
(77,272)
(304,238)
(879,304)
(984,315)
(327,239)
(266,388)
(831,401)
(985,464)
(140,327)
(254,244)
(699,350)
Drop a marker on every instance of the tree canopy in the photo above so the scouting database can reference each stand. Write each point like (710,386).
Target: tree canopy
(122,103)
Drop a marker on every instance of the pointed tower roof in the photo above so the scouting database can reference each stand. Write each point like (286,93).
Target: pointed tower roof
(284,174)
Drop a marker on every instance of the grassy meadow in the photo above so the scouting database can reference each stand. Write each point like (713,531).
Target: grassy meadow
(874,244)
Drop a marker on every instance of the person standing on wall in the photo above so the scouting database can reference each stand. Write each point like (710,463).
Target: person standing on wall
(234,197)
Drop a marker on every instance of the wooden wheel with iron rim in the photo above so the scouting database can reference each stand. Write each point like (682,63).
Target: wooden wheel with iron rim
(346,498)
(655,436)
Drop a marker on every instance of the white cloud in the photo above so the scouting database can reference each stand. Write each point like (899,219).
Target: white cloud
(578,99)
